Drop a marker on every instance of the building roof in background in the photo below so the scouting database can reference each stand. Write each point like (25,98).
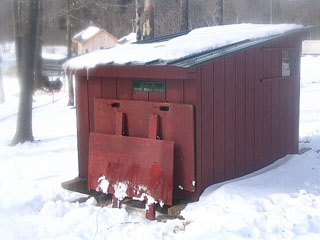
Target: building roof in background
(186,49)
(88,33)
(130,38)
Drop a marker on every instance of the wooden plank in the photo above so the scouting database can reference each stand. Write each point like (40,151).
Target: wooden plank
(142,96)
(177,124)
(218,120)
(230,117)
(198,125)
(207,124)
(124,88)
(94,91)
(267,99)
(249,146)
(134,161)
(174,90)
(109,88)
(141,72)
(240,112)
(82,125)
(258,107)
(293,94)
(283,109)
(275,85)
(157,97)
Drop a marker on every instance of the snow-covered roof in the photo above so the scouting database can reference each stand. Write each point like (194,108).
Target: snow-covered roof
(86,34)
(196,41)
(130,38)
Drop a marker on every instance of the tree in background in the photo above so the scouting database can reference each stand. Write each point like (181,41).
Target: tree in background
(26,35)
(218,13)
(38,78)
(184,24)
(138,31)
(2,98)
(69,53)
(148,20)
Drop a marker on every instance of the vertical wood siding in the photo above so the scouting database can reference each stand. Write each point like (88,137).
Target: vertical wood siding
(247,122)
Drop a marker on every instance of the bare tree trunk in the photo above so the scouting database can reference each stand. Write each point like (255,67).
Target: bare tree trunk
(24,119)
(218,14)
(184,6)
(69,43)
(148,20)
(138,19)
(17,33)
(39,83)
(271,11)
(2,97)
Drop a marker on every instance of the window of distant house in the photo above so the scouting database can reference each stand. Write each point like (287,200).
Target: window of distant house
(144,86)
(290,62)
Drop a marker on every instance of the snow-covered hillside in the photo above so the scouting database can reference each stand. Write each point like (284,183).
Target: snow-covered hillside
(281,201)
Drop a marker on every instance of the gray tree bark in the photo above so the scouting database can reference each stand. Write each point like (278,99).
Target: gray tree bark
(2,97)
(184,24)
(218,13)
(138,20)
(24,118)
(39,82)
(148,20)
(69,53)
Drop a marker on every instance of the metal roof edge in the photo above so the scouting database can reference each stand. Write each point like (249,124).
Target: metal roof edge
(207,56)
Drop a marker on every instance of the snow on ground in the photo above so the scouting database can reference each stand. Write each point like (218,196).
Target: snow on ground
(281,201)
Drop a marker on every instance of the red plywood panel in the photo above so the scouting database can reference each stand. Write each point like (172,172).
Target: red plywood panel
(267,99)
(258,107)
(207,124)
(94,91)
(144,165)
(230,117)
(176,124)
(142,96)
(82,125)
(109,88)
(240,112)
(219,120)
(174,90)
(249,146)
(157,97)
(276,72)
(124,88)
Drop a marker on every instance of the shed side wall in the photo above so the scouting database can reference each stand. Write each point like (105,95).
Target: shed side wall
(249,115)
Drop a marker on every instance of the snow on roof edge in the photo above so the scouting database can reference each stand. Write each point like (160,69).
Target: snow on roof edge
(196,41)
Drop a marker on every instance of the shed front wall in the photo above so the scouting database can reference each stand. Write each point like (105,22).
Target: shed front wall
(249,114)
(181,91)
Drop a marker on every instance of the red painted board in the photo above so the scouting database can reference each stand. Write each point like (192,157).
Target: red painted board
(249,143)
(218,121)
(176,123)
(230,117)
(144,165)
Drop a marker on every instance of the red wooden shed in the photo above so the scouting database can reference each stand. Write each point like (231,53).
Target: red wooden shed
(169,128)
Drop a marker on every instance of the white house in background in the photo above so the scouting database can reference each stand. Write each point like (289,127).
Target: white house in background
(311,47)
(91,39)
